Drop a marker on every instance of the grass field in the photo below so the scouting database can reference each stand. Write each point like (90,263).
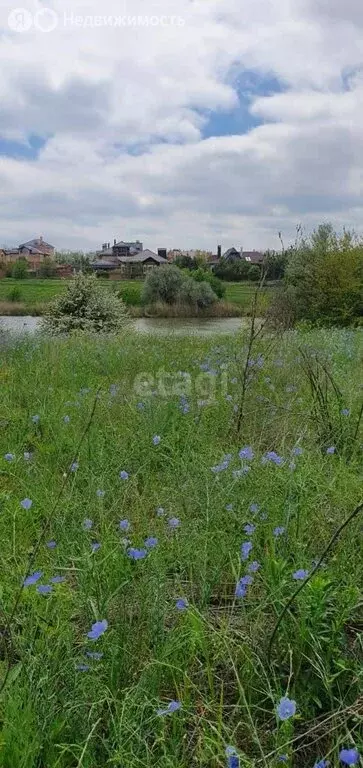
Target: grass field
(124,499)
(34,294)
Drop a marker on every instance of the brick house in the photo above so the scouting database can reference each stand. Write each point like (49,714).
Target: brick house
(35,252)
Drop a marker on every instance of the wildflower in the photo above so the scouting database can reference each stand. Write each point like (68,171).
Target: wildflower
(232,758)
(286,708)
(234,380)
(349,756)
(246,453)
(279,531)
(322,764)
(263,516)
(26,503)
(249,529)
(246,549)
(28,456)
(254,566)
(173,522)
(241,472)
(124,475)
(9,457)
(273,457)
(151,542)
(124,525)
(229,507)
(160,511)
(156,439)
(32,579)
(97,629)
(254,508)
(36,419)
(282,759)
(51,544)
(229,398)
(241,589)
(58,579)
(100,494)
(87,524)
(292,466)
(113,390)
(82,667)
(345,412)
(44,589)
(331,450)
(181,604)
(96,655)
(173,706)
(297,451)
(66,419)
(300,575)
(136,554)
(140,406)
(95,546)
(220,467)
(74,466)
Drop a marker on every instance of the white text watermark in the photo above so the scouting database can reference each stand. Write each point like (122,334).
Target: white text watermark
(47,20)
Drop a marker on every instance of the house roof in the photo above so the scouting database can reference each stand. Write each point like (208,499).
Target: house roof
(231,251)
(36,243)
(142,256)
(255,257)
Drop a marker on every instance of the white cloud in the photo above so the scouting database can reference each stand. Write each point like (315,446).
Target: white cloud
(123,110)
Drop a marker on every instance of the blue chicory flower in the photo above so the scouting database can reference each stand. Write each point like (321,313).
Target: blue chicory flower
(32,578)
(300,575)
(124,475)
(36,419)
(97,629)
(51,544)
(82,667)
(87,524)
(232,758)
(322,764)
(74,466)
(297,451)
(273,457)
(254,566)
(28,456)
(9,456)
(151,542)
(241,472)
(173,706)
(156,439)
(254,507)
(58,579)
(124,525)
(44,589)
(279,531)
(95,546)
(286,708)
(349,756)
(345,412)
(136,554)
(181,604)
(246,549)
(249,529)
(100,493)
(246,453)
(66,419)
(26,503)
(229,507)
(173,522)
(140,406)
(331,450)
(96,655)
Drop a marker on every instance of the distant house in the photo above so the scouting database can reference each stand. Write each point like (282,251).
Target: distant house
(129,259)
(254,257)
(35,252)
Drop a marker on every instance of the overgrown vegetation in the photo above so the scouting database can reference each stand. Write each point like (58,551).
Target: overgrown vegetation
(85,307)
(169,285)
(159,549)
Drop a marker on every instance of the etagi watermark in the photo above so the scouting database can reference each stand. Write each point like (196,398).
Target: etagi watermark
(47,20)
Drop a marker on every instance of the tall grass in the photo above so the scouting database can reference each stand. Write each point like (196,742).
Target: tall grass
(61,708)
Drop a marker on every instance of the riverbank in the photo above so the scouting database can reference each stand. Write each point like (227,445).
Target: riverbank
(164,544)
(31,297)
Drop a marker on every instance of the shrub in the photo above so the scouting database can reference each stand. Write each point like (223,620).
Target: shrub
(14,294)
(203,275)
(163,284)
(254,273)
(20,269)
(232,271)
(86,306)
(47,269)
(130,294)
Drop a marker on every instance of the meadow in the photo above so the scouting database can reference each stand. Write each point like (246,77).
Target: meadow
(161,504)
(32,295)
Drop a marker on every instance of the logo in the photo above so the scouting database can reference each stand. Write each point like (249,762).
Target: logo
(20,20)
(46,20)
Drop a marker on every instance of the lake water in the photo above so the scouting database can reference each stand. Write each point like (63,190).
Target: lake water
(156,326)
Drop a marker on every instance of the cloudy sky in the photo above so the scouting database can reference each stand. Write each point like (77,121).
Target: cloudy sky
(183,123)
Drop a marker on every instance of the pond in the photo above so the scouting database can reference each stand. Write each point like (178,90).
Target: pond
(155,326)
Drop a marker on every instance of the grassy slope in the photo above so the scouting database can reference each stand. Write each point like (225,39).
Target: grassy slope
(38,292)
(213,656)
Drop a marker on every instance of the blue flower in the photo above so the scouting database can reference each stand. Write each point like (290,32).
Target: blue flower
(249,529)
(254,508)
(349,756)
(173,706)
(156,439)
(273,457)
(345,412)
(279,531)
(58,579)
(74,466)
(96,655)
(254,567)
(173,522)
(331,450)
(87,524)
(286,708)
(9,456)
(322,764)
(300,575)
(66,419)
(233,761)
(282,759)
(124,525)
(95,546)
(297,451)
(82,667)
(28,456)
(97,629)
(136,554)
(44,589)
(151,542)
(241,472)
(51,544)
(100,493)
(181,604)
(140,406)
(246,549)
(246,453)
(160,511)
(241,589)
(229,507)
(32,578)
(26,503)
(124,475)
(35,419)
(113,390)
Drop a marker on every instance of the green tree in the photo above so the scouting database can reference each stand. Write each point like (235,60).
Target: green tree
(20,269)
(86,306)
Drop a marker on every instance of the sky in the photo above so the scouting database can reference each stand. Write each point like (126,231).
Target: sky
(182,123)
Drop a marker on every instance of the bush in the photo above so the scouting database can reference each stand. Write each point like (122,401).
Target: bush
(47,269)
(130,294)
(14,294)
(86,306)
(20,269)
(202,275)
(232,271)
(169,285)
(254,273)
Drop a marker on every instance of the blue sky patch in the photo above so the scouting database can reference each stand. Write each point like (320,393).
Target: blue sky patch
(27,150)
